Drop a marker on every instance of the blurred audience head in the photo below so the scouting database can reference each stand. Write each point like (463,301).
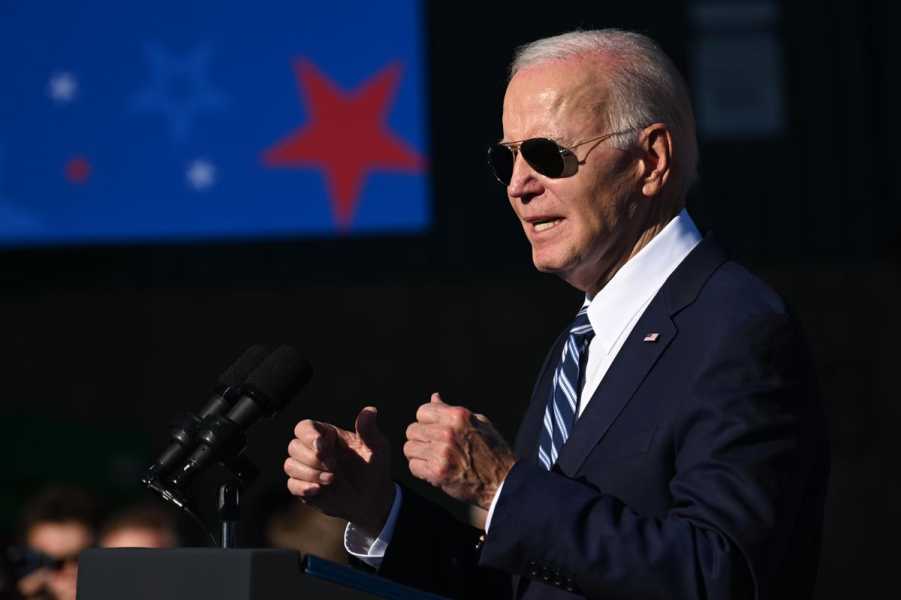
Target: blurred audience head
(293,525)
(59,523)
(140,526)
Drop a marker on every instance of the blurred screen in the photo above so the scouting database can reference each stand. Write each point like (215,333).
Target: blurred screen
(177,121)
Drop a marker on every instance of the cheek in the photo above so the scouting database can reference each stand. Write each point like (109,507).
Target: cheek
(514,206)
(587,222)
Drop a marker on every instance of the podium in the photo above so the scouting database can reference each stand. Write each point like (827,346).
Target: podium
(227,574)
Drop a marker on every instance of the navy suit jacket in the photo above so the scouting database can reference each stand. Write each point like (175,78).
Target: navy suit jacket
(698,469)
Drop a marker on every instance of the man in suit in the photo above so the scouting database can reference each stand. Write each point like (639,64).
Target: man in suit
(674,446)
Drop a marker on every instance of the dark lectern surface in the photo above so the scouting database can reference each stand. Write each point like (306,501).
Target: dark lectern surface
(216,574)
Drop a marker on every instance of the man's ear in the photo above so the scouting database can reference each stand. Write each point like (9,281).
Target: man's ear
(655,158)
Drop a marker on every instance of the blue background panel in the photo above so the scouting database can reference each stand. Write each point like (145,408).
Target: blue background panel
(149,122)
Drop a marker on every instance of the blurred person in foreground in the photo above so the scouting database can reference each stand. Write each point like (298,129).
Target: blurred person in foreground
(140,526)
(674,446)
(59,523)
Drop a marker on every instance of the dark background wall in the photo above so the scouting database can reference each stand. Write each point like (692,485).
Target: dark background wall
(103,346)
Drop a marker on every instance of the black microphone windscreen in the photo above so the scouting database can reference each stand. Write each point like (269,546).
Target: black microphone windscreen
(279,378)
(244,366)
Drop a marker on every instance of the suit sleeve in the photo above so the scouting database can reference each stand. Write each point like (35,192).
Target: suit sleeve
(743,450)
(434,552)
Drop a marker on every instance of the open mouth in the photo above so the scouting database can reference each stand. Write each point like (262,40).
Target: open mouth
(546,224)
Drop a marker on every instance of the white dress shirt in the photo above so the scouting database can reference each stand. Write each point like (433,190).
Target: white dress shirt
(613,313)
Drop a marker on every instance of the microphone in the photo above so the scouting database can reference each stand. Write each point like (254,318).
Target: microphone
(184,432)
(268,388)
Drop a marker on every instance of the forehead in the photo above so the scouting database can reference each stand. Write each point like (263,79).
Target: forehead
(136,537)
(559,99)
(59,539)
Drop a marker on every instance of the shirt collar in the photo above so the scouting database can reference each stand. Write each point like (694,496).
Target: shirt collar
(614,307)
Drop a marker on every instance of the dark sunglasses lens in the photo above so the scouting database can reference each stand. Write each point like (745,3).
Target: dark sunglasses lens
(543,155)
(501,160)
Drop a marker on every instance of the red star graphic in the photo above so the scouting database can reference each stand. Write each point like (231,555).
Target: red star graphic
(346,136)
(78,169)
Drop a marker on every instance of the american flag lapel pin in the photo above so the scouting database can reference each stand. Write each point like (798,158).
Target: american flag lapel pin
(651,337)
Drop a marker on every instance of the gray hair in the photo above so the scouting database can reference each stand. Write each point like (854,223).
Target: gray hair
(645,87)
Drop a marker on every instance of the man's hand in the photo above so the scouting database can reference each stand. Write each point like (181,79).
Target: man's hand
(458,451)
(344,474)
(35,583)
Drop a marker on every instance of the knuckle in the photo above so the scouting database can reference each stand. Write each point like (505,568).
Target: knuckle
(446,435)
(459,416)
(294,447)
(302,427)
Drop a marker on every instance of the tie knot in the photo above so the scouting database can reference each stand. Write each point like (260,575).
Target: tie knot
(581,327)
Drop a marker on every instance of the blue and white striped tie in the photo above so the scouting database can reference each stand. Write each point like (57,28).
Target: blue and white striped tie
(560,412)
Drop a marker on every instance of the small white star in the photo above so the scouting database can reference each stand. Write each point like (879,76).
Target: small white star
(201,174)
(62,87)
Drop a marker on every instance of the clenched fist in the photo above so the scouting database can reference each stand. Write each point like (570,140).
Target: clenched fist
(345,474)
(458,451)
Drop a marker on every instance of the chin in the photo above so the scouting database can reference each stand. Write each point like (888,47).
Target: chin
(544,268)
(548,264)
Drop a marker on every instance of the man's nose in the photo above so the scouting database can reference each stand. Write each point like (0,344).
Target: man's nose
(524,182)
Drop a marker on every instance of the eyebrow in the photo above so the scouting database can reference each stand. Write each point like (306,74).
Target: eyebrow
(556,140)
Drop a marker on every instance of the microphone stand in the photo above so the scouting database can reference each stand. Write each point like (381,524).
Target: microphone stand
(174,497)
(229,514)
(243,473)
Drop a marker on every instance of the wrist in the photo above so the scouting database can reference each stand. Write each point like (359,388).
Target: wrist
(490,492)
(374,522)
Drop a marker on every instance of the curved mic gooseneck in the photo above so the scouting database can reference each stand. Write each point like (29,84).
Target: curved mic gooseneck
(268,381)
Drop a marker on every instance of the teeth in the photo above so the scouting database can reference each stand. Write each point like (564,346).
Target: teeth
(544,225)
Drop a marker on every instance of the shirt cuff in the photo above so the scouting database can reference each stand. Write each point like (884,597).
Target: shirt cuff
(497,495)
(368,549)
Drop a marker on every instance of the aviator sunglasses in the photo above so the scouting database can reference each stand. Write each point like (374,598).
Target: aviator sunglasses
(544,155)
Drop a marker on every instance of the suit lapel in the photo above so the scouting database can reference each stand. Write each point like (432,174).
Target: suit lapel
(633,362)
(637,356)
(526,445)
